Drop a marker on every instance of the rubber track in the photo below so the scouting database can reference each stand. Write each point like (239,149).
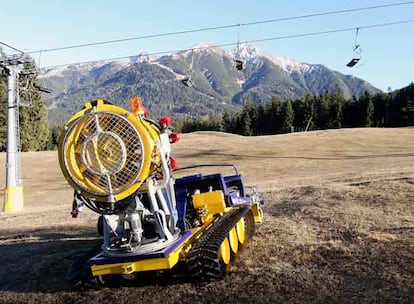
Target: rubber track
(79,274)
(203,264)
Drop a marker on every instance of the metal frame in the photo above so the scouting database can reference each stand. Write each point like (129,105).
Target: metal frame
(209,165)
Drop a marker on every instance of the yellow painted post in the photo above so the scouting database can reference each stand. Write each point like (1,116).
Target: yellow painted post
(13,199)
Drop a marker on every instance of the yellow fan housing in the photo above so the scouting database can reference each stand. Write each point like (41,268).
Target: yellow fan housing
(107,152)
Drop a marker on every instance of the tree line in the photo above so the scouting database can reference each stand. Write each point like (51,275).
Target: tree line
(327,111)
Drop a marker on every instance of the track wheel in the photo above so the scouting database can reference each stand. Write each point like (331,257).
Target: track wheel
(250,225)
(225,256)
(233,240)
(224,252)
(241,230)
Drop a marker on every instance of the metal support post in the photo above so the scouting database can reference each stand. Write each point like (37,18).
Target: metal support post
(14,189)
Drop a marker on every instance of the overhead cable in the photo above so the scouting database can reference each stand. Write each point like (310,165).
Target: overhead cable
(235,43)
(224,27)
(11,47)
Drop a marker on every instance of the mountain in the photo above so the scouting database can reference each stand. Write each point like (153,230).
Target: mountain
(217,83)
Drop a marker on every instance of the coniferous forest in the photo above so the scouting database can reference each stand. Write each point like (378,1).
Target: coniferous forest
(329,111)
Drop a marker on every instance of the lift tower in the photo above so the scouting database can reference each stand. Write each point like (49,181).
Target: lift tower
(12,66)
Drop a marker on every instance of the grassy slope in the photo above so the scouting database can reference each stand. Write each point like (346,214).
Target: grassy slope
(339,223)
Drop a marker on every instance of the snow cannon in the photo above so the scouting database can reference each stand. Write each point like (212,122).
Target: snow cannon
(107,153)
(119,165)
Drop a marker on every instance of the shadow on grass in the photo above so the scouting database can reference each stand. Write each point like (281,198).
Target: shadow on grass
(39,260)
(370,271)
(41,264)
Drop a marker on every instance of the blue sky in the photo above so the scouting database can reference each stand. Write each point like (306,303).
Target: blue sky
(387,61)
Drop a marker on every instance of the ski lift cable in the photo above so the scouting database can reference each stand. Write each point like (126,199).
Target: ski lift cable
(192,61)
(235,43)
(213,28)
(238,38)
(357,47)
(40,57)
(11,47)
(356,36)
(40,68)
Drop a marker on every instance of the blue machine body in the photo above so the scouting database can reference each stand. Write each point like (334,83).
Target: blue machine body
(231,185)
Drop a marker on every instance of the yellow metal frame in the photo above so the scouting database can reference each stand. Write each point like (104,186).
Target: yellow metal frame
(213,203)
(179,254)
(67,150)
(143,265)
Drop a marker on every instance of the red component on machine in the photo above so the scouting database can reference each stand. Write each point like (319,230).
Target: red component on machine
(174,137)
(75,211)
(165,122)
(77,206)
(174,163)
(137,106)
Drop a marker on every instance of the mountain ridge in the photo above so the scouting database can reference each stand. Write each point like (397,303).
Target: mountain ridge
(217,83)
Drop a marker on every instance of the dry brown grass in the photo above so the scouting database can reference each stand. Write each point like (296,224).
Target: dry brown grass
(338,224)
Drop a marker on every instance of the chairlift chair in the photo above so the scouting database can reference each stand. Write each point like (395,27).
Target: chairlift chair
(239,64)
(357,52)
(353,62)
(187,82)
(238,60)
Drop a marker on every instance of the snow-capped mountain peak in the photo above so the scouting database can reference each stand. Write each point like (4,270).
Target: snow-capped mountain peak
(80,68)
(143,57)
(288,64)
(205,47)
(245,51)
(250,53)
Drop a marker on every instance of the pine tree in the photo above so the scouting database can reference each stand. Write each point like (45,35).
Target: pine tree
(273,116)
(380,102)
(287,116)
(244,124)
(261,120)
(403,103)
(335,111)
(350,113)
(34,130)
(251,109)
(309,111)
(228,123)
(54,134)
(367,110)
(298,109)
(322,112)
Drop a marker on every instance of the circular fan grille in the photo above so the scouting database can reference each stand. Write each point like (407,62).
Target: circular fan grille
(107,152)
(104,153)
